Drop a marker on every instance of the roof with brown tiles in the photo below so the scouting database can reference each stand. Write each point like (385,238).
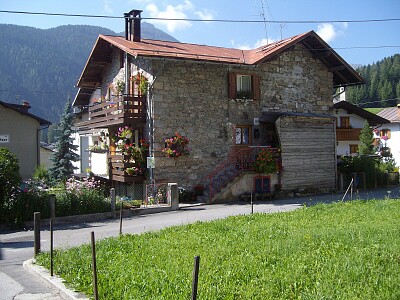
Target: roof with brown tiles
(343,73)
(391,113)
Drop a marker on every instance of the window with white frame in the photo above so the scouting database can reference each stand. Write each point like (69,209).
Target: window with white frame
(243,87)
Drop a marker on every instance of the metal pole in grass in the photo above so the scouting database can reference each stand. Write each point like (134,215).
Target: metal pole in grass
(112,196)
(96,294)
(251,202)
(52,202)
(120,218)
(51,248)
(195,277)
(36,231)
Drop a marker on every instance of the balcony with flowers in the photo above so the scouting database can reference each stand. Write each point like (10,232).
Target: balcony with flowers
(127,160)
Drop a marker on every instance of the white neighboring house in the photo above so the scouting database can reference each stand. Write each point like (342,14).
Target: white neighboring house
(389,134)
(349,122)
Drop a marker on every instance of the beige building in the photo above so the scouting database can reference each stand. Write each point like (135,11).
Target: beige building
(20,133)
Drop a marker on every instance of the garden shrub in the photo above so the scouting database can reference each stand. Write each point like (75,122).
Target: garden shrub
(81,197)
(9,178)
(73,198)
(22,204)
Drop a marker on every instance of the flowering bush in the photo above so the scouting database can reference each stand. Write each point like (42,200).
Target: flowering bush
(81,197)
(267,161)
(124,133)
(176,146)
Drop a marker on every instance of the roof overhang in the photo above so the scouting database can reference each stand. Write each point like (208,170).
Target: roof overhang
(372,119)
(100,56)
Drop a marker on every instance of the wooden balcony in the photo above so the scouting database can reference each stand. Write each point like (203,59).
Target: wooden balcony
(118,164)
(348,134)
(117,112)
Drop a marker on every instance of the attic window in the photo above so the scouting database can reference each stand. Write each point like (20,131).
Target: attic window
(244,86)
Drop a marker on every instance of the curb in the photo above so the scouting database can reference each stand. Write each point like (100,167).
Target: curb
(56,281)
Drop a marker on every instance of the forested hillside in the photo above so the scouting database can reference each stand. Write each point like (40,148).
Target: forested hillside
(43,66)
(382,86)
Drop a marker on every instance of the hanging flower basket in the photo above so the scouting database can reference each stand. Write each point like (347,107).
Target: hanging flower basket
(176,146)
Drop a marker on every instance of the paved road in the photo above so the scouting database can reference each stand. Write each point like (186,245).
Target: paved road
(16,247)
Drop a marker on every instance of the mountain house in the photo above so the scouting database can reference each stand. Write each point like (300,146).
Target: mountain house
(144,105)
(20,133)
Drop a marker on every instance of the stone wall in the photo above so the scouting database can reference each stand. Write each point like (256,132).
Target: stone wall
(192,98)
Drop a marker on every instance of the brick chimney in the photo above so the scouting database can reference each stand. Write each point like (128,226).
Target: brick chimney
(25,106)
(132,25)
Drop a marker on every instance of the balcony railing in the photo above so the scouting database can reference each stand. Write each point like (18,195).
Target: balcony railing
(118,164)
(348,134)
(120,110)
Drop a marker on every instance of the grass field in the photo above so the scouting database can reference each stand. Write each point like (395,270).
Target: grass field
(347,250)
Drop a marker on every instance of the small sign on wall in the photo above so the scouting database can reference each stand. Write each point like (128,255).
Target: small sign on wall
(4,138)
(151,163)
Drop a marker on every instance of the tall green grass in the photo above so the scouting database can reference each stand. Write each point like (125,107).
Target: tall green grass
(345,250)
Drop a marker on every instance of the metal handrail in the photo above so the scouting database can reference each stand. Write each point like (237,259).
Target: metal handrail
(238,161)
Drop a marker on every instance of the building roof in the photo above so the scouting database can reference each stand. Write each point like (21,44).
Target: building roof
(23,110)
(391,113)
(372,119)
(343,73)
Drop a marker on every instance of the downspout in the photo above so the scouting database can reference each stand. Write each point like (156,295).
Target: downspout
(150,116)
(38,144)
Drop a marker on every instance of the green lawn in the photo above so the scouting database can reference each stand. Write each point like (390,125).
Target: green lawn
(347,250)
(374,110)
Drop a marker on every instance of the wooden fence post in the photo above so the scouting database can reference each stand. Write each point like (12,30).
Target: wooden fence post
(195,277)
(36,231)
(94,267)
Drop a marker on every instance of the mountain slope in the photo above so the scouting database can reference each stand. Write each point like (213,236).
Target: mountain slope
(43,65)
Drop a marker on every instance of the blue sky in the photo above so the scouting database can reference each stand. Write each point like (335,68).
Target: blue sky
(344,37)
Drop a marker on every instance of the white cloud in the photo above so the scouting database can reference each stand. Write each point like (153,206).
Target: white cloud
(205,15)
(328,32)
(257,44)
(107,6)
(171,12)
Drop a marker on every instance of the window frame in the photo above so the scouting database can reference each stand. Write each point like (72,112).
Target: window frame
(352,148)
(345,124)
(249,137)
(262,178)
(255,92)
(385,132)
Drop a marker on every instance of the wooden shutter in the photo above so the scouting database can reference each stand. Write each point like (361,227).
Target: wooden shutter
(232,85)
(255,79)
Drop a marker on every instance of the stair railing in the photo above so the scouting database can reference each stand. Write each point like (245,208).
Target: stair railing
(239,161)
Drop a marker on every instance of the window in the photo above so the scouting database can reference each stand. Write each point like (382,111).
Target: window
(244,86)
(242,135)
(344,122)
(353,149)
(385,132)
(262,184)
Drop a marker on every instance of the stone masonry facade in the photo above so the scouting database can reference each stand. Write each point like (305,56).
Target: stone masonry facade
(191,98)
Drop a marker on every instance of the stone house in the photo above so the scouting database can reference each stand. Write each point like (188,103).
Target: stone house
(20,133)
(349,122)
(230,103)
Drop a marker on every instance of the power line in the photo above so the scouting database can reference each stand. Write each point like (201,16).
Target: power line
(201,20)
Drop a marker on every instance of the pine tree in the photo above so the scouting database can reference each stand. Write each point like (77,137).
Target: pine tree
(366,138)
(64,153)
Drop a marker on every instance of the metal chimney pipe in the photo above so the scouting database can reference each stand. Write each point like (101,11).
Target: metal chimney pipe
(133,17)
